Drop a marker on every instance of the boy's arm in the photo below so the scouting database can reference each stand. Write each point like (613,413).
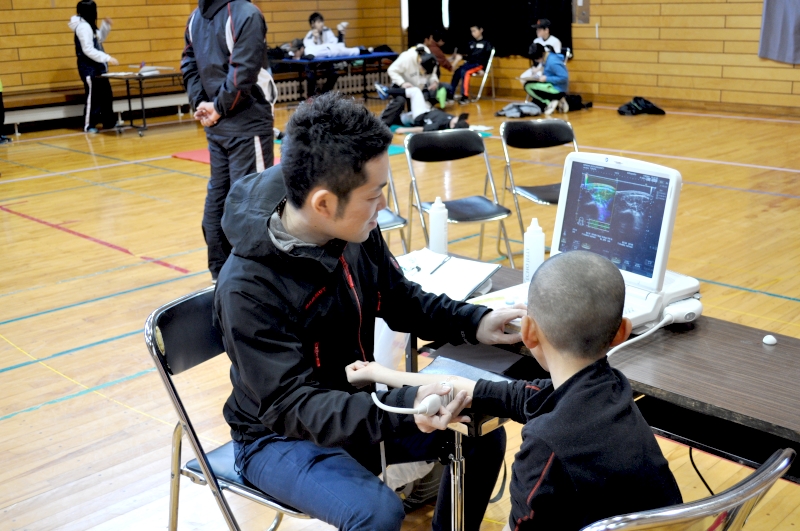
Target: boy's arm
(506,400)
(537,487)
(363,373)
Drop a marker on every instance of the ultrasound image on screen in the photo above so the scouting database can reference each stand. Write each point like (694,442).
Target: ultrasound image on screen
(615,213)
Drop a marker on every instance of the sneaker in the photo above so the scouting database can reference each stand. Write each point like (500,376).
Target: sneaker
(92,131)
(277,134)
(383,92)
(463,101)
(342,26)
(4,140)
(563,106)
(551,107)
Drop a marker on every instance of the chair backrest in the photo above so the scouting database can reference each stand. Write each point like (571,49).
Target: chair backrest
(536,134)
(726,511)
(440,146)
(181,334)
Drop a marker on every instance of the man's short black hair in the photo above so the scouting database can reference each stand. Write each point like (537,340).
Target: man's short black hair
(327,142)
(479,26)
(315,17)
(576,298)
(437,36)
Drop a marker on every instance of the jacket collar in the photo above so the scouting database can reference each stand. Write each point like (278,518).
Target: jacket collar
(548,398)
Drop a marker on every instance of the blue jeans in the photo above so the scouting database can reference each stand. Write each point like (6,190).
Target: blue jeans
(332,485)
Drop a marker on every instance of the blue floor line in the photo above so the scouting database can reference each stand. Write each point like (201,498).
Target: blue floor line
(96,273)
(73,305)
(761,292)
(76,395)
(70,351)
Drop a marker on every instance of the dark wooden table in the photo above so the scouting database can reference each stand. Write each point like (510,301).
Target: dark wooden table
(175,78)
(713,385)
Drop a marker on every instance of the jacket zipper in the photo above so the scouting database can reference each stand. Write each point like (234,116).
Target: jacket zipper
(352,285)
(316,353)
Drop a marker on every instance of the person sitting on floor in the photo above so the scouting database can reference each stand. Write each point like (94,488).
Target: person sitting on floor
(587,453)
(547,88)
(479,51)
(422,118)
(414,68)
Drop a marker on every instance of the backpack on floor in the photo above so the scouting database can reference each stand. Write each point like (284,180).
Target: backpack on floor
(639,105)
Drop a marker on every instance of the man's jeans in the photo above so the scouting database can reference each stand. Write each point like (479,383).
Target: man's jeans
(330,484)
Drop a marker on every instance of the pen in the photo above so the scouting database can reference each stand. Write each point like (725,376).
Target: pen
(440,265)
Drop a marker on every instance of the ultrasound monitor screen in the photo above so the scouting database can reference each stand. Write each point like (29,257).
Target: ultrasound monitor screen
(615,213)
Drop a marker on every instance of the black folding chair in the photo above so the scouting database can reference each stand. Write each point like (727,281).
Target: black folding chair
(181,335)
(450,145)
(533,134)
(389,218)
(726,511)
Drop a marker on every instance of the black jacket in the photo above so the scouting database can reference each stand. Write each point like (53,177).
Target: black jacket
(292,321)
(479,52)
(226,75)
(586,454)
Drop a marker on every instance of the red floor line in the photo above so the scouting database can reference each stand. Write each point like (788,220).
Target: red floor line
(5,208)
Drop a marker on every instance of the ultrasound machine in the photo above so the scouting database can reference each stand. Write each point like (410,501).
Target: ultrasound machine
(625,210)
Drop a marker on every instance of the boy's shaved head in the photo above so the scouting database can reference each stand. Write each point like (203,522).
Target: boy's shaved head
(576,298)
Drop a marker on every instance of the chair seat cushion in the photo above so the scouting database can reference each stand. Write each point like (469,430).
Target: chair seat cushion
(473,208)
(546,194)
(222,462)
(388,220)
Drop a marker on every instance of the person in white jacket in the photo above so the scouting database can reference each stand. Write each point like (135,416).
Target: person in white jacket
(321,42)
(414,68)
(93,62)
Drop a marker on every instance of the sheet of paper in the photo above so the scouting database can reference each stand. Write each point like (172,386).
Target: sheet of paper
(456,277)
(505,298)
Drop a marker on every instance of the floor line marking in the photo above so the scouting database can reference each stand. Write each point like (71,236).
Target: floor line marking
(125,179)
(96,273)
(751,290)
(69,351)
(87,390)
(96,299)
(127,128)
(80,170)
(91,239)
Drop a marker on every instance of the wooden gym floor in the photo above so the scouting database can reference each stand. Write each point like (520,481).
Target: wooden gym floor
(97,231)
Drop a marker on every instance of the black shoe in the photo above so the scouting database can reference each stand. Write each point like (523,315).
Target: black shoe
(4,140)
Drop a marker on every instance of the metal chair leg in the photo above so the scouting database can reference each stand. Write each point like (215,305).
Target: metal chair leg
(276,521)
(480,242)
(410,211)
(175,477)
(508,245)
(457,486)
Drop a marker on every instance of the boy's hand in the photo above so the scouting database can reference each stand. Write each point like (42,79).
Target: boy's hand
(360,373)
(491,329)
(447,414)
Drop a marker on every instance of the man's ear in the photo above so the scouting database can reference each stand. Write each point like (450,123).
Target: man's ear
(323,203)
(623,333)
(530,332)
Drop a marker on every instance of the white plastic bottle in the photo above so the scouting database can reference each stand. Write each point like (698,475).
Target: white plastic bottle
(437,230)
(534,250)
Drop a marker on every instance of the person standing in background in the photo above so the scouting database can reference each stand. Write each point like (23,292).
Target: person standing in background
(221,80)
(3,139)
(92,64)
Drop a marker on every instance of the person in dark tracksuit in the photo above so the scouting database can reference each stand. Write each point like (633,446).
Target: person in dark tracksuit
(297,301)
(92,64)
(587,453)
(224,55)
(479,51)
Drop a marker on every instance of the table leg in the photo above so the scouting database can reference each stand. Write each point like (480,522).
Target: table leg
(141,99)
(457,485)
(412,364)
(130,105)
(364,76)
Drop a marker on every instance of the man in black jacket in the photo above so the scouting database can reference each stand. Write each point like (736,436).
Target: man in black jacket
(224,54)
(296,303)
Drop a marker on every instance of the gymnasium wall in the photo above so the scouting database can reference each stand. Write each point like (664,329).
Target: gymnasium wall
(688,53)
(37,51)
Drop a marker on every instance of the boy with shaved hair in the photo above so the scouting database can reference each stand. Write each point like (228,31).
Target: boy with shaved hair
(587,453)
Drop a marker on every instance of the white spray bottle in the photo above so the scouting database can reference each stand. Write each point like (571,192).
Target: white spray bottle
(534,250)
(437,218)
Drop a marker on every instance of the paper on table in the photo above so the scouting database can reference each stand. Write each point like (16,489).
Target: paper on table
(457,278)
(505,298)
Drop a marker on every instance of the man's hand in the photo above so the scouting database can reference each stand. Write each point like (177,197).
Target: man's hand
(433,86)
(361,373)
(542,78)
(447,414)
(207,114)
(491,329)
(113,62)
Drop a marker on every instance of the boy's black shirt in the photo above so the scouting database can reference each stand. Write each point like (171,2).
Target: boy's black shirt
(479,52)
(586,454)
